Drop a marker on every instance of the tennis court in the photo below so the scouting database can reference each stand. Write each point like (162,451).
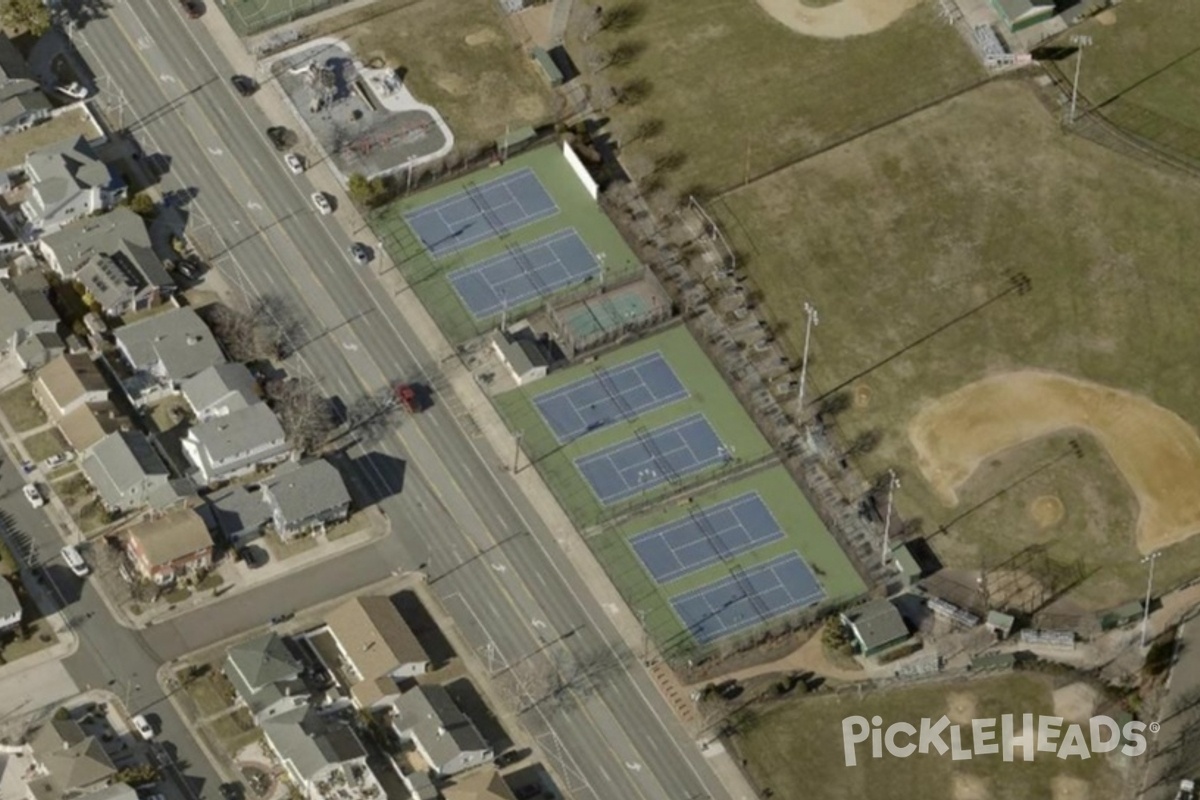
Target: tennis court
(747,598)
(523,273)
(651,458)
(706,536)
(610,395)
(479,213)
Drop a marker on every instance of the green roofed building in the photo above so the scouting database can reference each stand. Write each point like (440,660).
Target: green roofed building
(875,626)
(1020,14)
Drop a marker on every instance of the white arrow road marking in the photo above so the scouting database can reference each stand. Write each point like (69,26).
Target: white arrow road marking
(165,78)
(499,568)
(537,623)
(633,765)
(253,206)
(144,43)
(216,151)
(351,346)
(612,608)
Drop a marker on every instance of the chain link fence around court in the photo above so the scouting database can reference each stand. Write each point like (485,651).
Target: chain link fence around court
(250,17)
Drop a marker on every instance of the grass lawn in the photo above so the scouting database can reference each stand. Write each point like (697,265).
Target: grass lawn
(282,550)
(235,730)
(70,125)
(736,92)
(355,524)
(42,637)
(45,444)
(795,748)
(91,516)
(1143,68)
(72,489)
(209,693)
(897,239)
(457,57)
(21,409)
(177,594)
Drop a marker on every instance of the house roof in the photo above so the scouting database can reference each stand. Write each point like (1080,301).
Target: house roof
(264,660)
(60,171)
(75,759)
(484,784)
(88,424)
(174,535)
(374,636)
(117,791)
(69,377)
(877,623)
(311,742)
(38,349)
(119,232)
(120,461)
(230,384)
(112,281)
(437,723)
(521,353)
(307,490)
(178,339)
(20,308)
(12,63)
(244,430)
(19,97)
(9,603)
(170,493)
(236,511)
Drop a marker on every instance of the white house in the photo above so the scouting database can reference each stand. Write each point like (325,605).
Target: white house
(166,349)
(323,758)
(521,356)
(220,390)
(237,443)
(427,717)
(67,181)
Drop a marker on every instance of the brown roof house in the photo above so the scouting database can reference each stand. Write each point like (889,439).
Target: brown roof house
(75,397)
(377,649)
(68,761)
(166,547)
(482,785)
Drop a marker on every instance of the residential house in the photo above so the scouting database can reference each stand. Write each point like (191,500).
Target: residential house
(220,390)
(10,605)
(521,356)
(376,649)
(164,350)
(68,761)
(67,383)
(84,427)
(169,546)
(306,497)
(111,259)
(322,756)
(427,717)
(125,468)
(12,63)
(485,784)
(875,626)
(231,445)
(66,182)
(236,513)
(22,105)
(28,322)
(266,676)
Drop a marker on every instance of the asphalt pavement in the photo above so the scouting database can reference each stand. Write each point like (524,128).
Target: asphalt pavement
(492,563)
(1175,750)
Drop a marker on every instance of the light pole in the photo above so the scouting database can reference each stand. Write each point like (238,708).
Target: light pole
(811,312)
(1080,43)
(600,262)
(1149,585)
(517,451)
(893,485)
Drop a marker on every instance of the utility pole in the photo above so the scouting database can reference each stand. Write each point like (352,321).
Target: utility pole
(600,257)
(408,178)
(811,312)
(1080,43)
(893,485)
(1149,584)
(517,451)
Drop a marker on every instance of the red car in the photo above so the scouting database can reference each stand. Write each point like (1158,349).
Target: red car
(192,8)
(407,396)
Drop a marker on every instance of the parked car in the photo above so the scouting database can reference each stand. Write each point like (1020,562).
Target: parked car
(72,558)
(57,460)
(1187,790)
(74,90)
(294,163)
(360,253)
(244,85)
(322,203)
(509,757)
(192,8)
(143,727)
(278,136)
(189,270)
(34,495)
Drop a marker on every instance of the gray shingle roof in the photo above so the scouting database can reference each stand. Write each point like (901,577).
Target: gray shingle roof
(308,490)
(112,280)
(229,384)
(75,759)
(9,604)
(878,623)
(20,308)
(265,659)
(237,512)
(442,729)
(178,339)
(118,231)
(119,462)
(240,432)
(12,63)
(311,742)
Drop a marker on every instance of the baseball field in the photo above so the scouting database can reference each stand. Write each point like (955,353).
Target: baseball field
(1009,310)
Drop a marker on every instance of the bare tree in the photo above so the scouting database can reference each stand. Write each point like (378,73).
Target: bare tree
(278,325)
(235,331)
(305,413)
(371,416)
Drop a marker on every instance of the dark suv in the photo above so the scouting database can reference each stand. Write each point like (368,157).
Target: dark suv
(191,7)
(243,85)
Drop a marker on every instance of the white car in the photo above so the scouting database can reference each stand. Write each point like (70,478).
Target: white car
(360,254)
(142,725)
(74,560)
(33,495)
(57,460)
(294,163)
(322,203)
(75,91)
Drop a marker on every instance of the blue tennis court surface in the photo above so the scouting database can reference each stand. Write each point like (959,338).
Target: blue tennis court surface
(706,536)
(479,213)
(610,395)
(524,272)
(751,597)
(651,458)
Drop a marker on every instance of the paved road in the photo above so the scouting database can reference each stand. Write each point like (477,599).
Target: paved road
(498,570)
(1175,752)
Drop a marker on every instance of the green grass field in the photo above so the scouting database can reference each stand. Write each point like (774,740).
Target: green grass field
(427,275)
(708,394)
(907,229)
(794,747)
(1143,69)
(803,532)
(737,93)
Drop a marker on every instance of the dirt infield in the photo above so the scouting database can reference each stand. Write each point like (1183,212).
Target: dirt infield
(839,20)
(1157,452)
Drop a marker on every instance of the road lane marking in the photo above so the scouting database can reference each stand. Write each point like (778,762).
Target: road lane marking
(166,78)
(215,151)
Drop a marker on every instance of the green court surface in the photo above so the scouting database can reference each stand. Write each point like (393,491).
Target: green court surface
(707,394)
(606,314)
(427,274)
(803,529)
(248,17)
